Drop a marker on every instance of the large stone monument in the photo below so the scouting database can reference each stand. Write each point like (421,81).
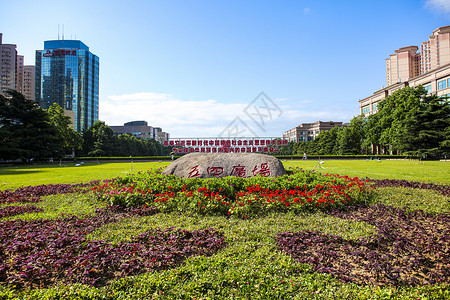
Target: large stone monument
(209,165)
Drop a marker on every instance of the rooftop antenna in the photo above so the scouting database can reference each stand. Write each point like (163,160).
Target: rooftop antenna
(58,32)
(63,32)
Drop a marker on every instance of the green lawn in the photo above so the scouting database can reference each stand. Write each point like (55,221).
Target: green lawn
(251,267)
(437,172)
(12,177)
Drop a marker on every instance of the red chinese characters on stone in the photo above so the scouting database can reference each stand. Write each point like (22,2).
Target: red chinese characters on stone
(194,172)
(238,171)
(215,171)
(264,170)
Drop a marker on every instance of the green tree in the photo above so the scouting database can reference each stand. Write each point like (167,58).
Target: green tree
(129,146)
(425,130)
(410,121)
(26,130)
(372,134)
(98,140)
(350,138)
(71,140)
(326,142)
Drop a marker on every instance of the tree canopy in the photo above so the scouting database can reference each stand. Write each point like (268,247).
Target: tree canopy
(25,129)
(99,140)
(71,140)
(409,121)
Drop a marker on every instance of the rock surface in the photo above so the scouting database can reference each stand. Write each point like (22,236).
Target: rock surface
(209,165)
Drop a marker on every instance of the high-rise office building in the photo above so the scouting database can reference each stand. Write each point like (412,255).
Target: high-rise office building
(25,78)
(433,75)
(407,63)
(14,74)
(28,80)
(435,52)
(67,73)
(8,66)
(402,65)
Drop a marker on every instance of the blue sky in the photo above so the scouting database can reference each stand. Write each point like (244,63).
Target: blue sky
(197,68)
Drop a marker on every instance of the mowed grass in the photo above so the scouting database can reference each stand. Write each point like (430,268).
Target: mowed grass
(251,267)
(12,177)
(437,172)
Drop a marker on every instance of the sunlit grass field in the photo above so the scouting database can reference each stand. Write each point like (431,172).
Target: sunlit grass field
(12,177)
(437,172)
(251,267)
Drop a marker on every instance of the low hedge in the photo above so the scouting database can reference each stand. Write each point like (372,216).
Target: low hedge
(152,158)
(134,158)
(347,157)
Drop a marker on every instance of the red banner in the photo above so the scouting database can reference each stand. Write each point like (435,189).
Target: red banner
(235,146)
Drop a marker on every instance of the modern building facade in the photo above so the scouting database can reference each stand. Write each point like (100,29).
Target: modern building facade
(402,65)
(432,72)
(28,80)
(308,131)
(141,130)
(14,74)
(67,73)
(407,63)
(435,82)
(435,52)
(8,65)
(25,78)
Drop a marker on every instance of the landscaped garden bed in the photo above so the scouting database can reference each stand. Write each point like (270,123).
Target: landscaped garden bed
(154,236)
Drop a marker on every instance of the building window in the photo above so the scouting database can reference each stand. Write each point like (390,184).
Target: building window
(442,84)
(428,88)
(375,106)
(366,109)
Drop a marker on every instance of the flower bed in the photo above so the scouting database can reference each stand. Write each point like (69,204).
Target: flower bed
(410,248)
(33,193)
(242,197)
(442,189)
(9,211)
(37,254)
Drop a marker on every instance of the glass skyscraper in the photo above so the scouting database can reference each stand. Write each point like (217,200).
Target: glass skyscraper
(67,73)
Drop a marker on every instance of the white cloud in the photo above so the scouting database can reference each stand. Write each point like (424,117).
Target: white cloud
(205,118)
(441,6)
(179,118)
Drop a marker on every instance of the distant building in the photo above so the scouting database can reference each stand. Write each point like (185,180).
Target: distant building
(436,82)
(402,65)
(8,66)
(19,73)
(407,63)
(67,73)
(162,136)
(430,68)
(28,87)
(14,74)
(141,130)
(308,131)
(435,52)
